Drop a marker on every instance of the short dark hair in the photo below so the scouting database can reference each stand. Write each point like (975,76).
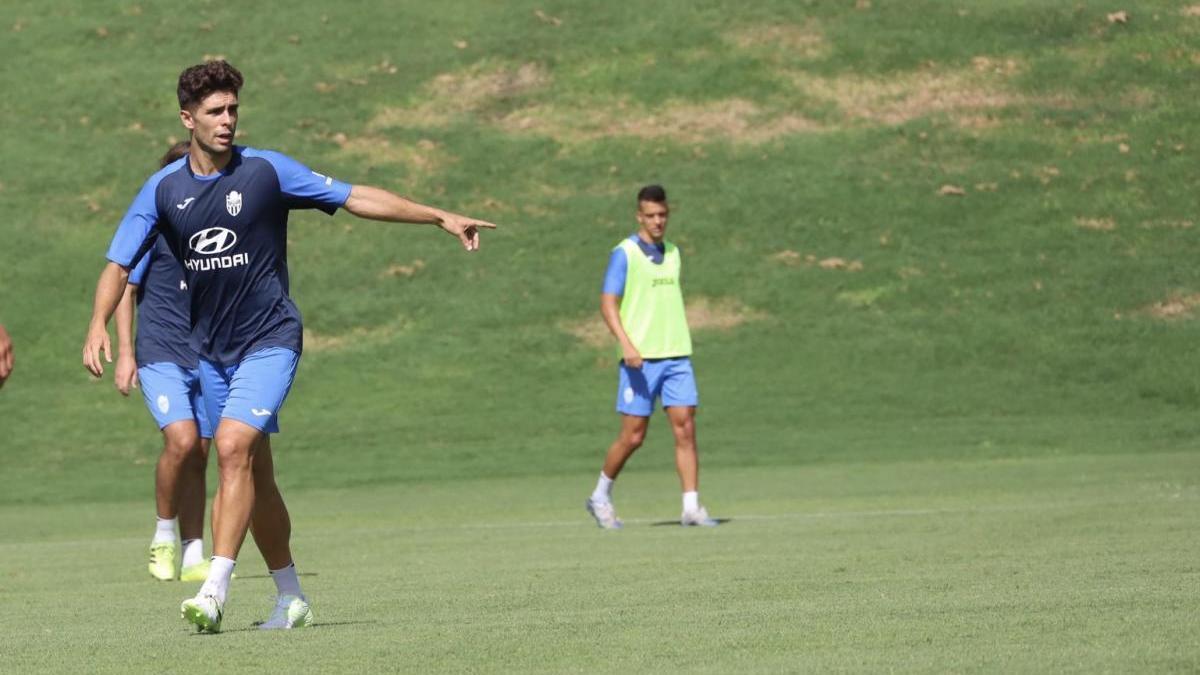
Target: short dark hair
(203,79)
(653,193)
(175,152)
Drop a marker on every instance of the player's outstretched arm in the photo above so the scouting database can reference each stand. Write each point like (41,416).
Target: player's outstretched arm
(109,289)
(125,376)
(379,204)
(6,355)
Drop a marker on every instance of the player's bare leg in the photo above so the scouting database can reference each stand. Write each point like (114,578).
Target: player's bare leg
(177,464)
(629,439)
(192,495)
(687,463)
(272,529)
(175,469)
(269,521)
(236,442)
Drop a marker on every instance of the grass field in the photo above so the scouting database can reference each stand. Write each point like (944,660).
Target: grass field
(1065,564)
(940,262)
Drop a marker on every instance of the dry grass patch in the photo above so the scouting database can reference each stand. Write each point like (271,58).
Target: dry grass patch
(451,94)
(332,342)
(1193,10)
(1174,307)
(1104,224)
(785,39)
(962,94)
(736,120)
(424,158)
(703,313)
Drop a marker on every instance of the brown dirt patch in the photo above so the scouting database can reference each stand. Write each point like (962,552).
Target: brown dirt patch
(1174,307)
(703,314)
(1193,10)
(787,39)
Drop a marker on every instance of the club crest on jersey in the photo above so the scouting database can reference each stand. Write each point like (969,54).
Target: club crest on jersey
(233,202)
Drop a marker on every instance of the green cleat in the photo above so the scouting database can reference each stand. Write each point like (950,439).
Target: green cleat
(204,612)
(164,561)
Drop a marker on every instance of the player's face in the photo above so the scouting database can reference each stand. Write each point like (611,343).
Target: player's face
(213,122)
(652,216)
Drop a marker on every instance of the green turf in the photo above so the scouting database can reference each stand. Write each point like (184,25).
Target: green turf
(977,452)
(1080,564)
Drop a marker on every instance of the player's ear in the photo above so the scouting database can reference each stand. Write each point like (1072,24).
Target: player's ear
(185,116)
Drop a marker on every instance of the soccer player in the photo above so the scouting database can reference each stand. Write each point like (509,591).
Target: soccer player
(6,355)
(223,213)
(642,304)
(168,369)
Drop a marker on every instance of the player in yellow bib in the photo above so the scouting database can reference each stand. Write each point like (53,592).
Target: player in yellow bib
(642,303)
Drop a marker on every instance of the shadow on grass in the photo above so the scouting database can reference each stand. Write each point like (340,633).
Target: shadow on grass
(664,523)
(253,628)
(268,576)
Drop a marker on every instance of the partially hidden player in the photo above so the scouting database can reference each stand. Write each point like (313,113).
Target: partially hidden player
(223,212)
(163,361)
(642,304)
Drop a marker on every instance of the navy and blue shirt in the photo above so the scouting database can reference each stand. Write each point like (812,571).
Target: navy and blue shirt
(618,266)
(229,233)
(164,310)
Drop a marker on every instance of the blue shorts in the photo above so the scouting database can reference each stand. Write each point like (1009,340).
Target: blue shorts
(251,391)
(672,379)
(172,394)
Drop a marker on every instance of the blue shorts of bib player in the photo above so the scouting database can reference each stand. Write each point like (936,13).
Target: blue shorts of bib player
(251,391)
(172,394)
(672,380)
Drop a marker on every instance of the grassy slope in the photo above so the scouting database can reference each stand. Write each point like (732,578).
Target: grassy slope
(981,325)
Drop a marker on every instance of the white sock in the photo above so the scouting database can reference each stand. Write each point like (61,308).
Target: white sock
(603,492)
(286,581)
(165,532)
(193,552)
(217,584)
(691,501)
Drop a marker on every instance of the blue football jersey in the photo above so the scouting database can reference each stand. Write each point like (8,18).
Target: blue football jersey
(229,233)
(164,310)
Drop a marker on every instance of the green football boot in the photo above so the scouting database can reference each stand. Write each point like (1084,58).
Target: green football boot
(164,561)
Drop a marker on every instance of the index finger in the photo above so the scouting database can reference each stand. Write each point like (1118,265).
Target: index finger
(483,223)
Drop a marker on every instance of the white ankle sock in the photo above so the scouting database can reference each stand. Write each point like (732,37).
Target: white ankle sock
(603,492)
(217,584)
(193,552)
(691,501)
(286,581)
(165,532)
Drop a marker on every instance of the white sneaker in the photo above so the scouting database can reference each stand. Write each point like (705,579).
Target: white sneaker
(204,612)
(698,517)
(291,611)
(605,514)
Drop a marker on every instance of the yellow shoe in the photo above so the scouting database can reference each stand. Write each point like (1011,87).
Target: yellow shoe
(197,572)
(164,561)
